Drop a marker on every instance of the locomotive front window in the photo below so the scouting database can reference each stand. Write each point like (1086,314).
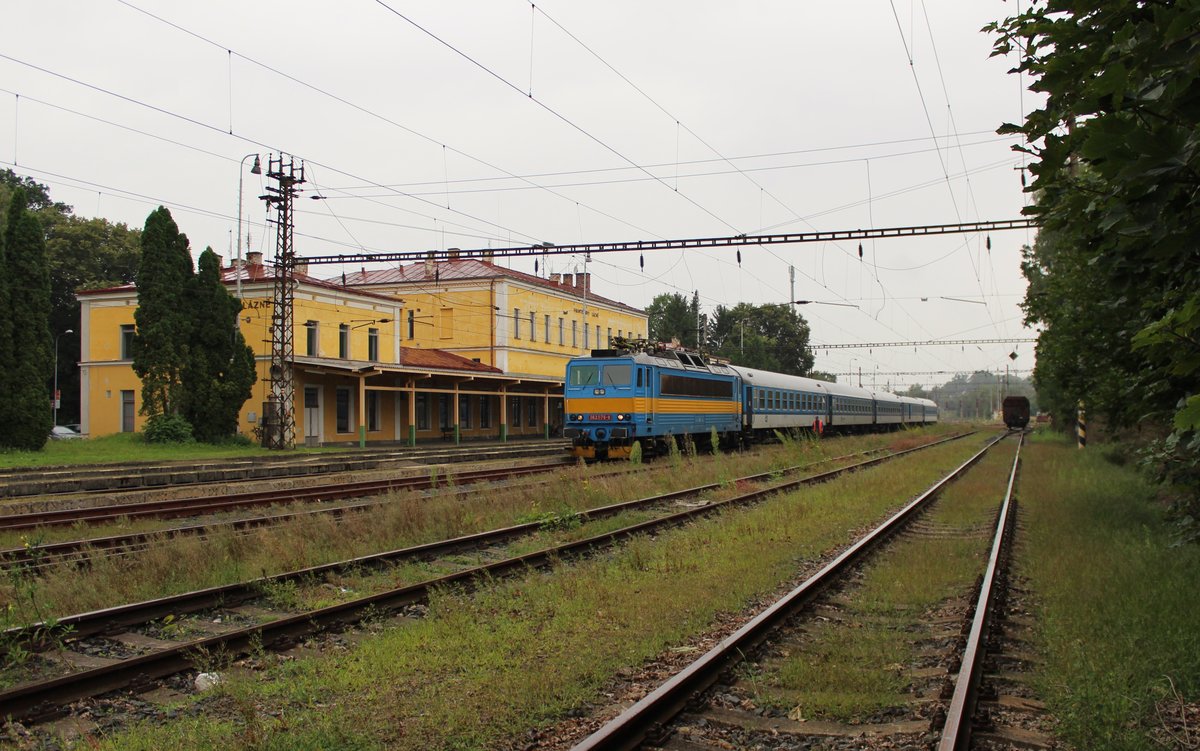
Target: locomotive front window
(585,375)
(617,375)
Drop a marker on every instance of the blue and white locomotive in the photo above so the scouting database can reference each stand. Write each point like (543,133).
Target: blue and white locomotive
(617,397)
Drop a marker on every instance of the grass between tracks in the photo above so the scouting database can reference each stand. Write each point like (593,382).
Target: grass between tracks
(190,563)
(855,667)
(482,669)
(1119,621)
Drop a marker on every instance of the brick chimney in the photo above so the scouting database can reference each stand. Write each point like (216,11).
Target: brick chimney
(556,278)
(452,253)
(254,258)
(429,264)
(301,266)
(583,282)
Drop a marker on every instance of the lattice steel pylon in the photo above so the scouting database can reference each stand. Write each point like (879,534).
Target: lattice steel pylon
(279,413)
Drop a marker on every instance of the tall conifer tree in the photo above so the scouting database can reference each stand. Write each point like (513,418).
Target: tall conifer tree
(220,370)
(29,360)
(161,344)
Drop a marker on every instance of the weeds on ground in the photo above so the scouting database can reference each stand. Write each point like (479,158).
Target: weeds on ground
(27,614)
(1117,601)
(484,667)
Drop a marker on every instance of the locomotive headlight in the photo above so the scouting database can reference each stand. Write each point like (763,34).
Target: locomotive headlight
(620,417)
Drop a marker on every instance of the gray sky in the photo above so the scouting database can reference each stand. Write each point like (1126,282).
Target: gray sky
(647,120)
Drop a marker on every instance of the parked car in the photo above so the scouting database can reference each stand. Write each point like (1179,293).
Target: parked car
(63,433)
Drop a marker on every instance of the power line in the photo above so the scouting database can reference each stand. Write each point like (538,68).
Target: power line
(744,157)
(933,372)
(529,96)
(705,242)
(929,343)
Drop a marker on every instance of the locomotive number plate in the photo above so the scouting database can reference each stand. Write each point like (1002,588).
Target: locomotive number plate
(599,418)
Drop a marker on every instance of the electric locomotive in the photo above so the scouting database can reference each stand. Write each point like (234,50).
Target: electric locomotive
(619,396)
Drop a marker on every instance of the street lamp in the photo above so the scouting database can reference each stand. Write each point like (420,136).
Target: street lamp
(54,408)
(255,170)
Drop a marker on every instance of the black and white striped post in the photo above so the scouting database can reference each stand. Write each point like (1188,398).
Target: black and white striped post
(1081,425)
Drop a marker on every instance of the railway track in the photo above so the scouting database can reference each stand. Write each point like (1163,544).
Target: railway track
(196,506)
(34,557)
(84,480)
(140,653)
(707,706)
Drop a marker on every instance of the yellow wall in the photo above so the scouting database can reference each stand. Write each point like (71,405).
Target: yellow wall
(481,331)
(458,317)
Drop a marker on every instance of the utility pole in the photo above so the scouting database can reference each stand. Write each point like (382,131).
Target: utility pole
(792,278)
(279,413)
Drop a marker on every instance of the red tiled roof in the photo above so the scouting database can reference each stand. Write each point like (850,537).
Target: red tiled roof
(460,270)
(438,359)
(255,273)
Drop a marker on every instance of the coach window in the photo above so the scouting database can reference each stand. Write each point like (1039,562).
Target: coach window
(639,377)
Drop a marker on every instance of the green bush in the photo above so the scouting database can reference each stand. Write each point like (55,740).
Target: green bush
(635,453)
(168,429)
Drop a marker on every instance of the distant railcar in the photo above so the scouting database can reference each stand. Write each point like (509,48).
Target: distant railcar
(1016,412)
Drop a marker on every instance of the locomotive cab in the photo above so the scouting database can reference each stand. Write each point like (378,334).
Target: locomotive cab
(599,397)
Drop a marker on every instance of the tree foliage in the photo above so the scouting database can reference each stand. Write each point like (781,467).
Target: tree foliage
(27,416)
(768,337)
(81,254)
(1115,275)
(1116,178)
(161,345)
(220,368)
(673,317)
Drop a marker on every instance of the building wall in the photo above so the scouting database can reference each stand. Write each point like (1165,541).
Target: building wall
(491,323)
(472,319)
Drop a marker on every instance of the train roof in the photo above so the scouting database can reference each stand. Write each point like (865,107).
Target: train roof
(662,358)
(681,359)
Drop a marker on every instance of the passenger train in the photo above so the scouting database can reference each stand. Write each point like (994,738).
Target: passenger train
(636,393)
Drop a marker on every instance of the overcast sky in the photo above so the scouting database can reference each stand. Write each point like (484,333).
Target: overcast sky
(429,125)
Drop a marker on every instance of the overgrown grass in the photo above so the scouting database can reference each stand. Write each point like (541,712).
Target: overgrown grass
(485,667)
(850,668)
(127,447)
(191,563)
(1119,619)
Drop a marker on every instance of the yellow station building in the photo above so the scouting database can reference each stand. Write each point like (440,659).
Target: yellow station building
(452,349)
